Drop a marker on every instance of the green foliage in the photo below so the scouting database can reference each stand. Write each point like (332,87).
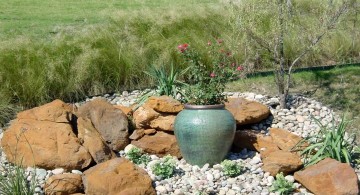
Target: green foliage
(207,79)
(356,155)
(165,168)
(167,83)
(231,168)
(13,181)
(136,156)
(281,185)
(330,142)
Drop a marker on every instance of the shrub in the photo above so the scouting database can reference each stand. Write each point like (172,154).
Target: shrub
(281,185)
(165,167)
(13,181)
(231,168)
(330,142)
(136,156)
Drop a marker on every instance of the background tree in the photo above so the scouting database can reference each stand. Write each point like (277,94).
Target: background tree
(287,33)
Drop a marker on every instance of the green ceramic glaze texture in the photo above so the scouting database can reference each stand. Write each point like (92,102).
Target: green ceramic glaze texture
(204,135)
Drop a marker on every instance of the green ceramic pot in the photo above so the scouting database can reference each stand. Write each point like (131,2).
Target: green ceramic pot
(204,133)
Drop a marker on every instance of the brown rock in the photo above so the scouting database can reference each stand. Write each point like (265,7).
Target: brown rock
(281,161)
(159,144)
(164,104)
(44,144)
(111,122)
(143,116)
(247,112)
(92,141)
(117,176)
(329,177)
(256,141)
(55,111)
(163,123)
(286,140)
(149,131)
(137,134)
(63,184)
(125,109)
(253,140)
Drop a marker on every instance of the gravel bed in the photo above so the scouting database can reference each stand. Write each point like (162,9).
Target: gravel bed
(190,179)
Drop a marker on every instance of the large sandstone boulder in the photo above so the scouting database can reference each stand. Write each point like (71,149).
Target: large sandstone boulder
(329,177)
(110,122)
(55,111)
(281,161)
(44,144)
(159,144)
(117,176)
(164,104)
(92,141)
(63,184)
(247,112)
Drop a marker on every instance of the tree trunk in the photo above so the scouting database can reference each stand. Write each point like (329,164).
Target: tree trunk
(282,86)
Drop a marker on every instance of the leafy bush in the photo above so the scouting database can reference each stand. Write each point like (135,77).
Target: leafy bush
(13,181)
(330,142)
(208,78)
(231,168)
(281,185)
(136,156)
(165,168)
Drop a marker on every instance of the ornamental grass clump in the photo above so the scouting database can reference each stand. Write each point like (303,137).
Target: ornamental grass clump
(137,156)
(231,168)
(165,167)
(330,142)
(207,78)
(167,82)
(281,185)
(13,181)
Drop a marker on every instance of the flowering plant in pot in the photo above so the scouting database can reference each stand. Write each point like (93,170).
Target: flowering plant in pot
(206,78)
(205,129)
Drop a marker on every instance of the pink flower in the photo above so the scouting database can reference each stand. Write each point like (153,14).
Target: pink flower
(183,47)
(219,41)
(212,75)
(209,43)
(239,68)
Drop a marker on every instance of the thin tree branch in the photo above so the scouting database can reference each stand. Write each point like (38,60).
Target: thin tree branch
(330,25)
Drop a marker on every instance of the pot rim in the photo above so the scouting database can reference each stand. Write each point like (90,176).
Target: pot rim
(204,107)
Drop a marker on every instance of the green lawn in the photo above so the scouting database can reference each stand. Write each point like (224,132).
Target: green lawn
(338,88)
(42,17)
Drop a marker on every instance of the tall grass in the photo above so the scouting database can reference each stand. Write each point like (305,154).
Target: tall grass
(79,61)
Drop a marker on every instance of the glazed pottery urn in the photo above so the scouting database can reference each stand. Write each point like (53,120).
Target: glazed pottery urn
(204,133)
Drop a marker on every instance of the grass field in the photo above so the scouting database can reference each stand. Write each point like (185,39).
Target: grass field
(337,88)
(46,17)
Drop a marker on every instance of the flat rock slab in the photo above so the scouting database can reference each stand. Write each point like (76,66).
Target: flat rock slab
(63,184)
(329,177)
(160,144)
(281,161)
(247,112)
(117,176)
